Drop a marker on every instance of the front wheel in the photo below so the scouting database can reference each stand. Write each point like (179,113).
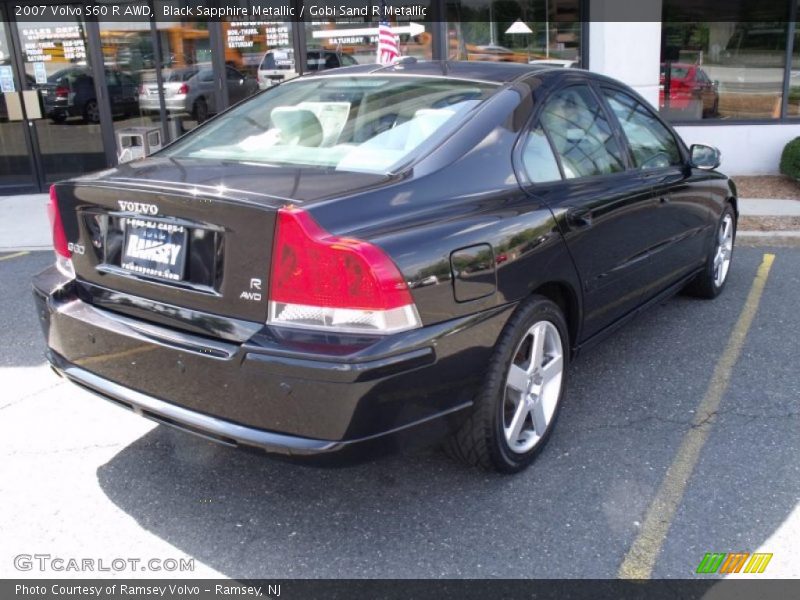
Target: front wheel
(514,412)
(711,281)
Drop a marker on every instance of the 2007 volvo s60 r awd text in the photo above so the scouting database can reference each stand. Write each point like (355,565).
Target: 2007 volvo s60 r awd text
(377,256)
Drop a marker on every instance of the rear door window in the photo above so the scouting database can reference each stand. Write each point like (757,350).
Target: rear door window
(582,135)
(652,145)
(538,159)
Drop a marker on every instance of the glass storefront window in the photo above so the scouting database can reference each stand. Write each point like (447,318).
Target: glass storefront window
(726,70)
(793,97)
(187,74)
(331,44)
(523,31)
(57,64)
(256,51)
(15,164)
(129,59)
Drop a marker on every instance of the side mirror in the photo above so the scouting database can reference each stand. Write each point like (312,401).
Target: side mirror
(704,157)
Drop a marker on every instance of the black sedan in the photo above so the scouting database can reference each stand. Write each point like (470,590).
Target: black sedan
(71,93)
(372,257)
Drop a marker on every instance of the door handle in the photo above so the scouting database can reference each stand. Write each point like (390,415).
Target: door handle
(664,199)
(579,217)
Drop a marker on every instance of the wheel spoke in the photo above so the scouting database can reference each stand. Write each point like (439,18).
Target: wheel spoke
(552,370)
(514,429)
(518,379)
(539,417)
(537,353)
(718,258)
(724,231)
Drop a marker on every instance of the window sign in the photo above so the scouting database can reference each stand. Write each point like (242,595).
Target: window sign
(40,73)
(277,34)
(58,43)
(6,79)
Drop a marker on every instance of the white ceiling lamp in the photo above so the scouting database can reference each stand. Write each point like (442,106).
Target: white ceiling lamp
(519,27)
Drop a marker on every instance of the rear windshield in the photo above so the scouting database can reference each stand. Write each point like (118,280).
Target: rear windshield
(180,75)
(277,59)
(366,124)
(676,72)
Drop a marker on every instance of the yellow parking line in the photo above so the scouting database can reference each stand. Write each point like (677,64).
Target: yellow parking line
(640,559)
(15,255)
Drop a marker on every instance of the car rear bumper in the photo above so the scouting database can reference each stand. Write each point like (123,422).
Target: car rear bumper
(264,393)
(151,103)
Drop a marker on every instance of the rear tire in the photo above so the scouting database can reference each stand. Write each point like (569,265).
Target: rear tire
(514,412)
(91,112)
(200,110)
(710,283)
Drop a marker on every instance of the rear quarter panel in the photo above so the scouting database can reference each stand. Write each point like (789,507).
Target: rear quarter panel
(464,194)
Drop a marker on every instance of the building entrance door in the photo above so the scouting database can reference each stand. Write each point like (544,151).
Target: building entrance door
(17,168)
(56,73)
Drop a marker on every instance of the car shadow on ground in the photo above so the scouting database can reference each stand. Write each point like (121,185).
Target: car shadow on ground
(418,514)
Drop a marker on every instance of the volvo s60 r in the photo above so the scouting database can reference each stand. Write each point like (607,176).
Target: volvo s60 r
(373,257)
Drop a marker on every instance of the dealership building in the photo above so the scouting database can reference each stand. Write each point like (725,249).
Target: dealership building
(77,90)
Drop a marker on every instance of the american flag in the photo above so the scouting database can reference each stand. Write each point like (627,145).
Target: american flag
(388,48)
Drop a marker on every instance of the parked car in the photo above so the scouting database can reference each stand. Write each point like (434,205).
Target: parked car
(190,90)
(278,64)
(691,90)
(70,92)
(297,277)
(555,62)
(495,53)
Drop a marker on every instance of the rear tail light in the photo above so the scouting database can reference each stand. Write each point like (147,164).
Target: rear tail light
(62,91)
(680,84)
(60,244)
(184,89)
(321,281)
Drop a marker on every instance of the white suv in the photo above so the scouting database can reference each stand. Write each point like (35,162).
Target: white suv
(278,64)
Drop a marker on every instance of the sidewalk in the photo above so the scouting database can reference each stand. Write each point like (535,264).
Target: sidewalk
(768,221)
(24,224)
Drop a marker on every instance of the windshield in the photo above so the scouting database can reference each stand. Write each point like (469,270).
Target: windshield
(366,124)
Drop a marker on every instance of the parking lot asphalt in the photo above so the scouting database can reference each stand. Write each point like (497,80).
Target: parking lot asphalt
(80,477)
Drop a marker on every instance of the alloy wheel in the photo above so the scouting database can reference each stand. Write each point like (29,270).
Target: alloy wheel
(92,112)
(533,387)
(724,251)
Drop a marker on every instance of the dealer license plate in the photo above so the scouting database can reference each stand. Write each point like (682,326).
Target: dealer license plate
(155,249)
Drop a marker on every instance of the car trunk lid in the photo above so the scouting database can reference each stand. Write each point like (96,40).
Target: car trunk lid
(185,238)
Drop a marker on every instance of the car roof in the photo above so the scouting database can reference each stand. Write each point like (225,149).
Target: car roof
(474,70)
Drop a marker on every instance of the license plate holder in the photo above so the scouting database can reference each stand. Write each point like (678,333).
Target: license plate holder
(155,248)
